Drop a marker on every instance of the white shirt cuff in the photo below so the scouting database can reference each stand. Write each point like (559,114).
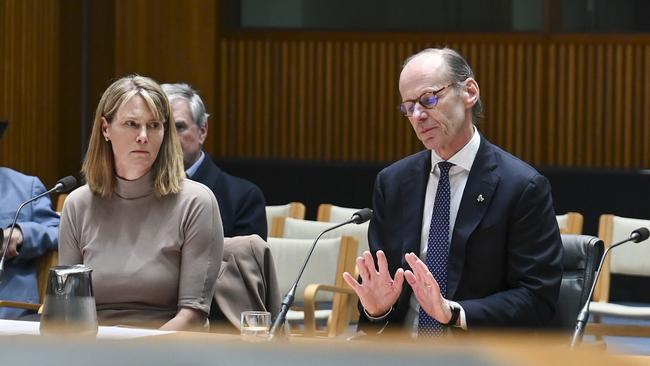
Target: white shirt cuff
(377,318)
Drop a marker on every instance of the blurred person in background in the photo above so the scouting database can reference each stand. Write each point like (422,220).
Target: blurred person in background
(35,234)
(241,202)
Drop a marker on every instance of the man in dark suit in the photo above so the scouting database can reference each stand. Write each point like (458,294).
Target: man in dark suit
(241,203)
(473,226)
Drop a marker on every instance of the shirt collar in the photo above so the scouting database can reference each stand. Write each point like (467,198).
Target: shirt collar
(191,170)
(464,158)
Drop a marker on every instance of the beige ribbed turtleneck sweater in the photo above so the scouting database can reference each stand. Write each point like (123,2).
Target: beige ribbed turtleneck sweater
(150,255)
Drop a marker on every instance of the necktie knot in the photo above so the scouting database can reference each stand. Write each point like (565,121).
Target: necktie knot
(444,167)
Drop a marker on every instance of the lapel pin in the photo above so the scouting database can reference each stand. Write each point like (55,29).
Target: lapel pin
(480,198)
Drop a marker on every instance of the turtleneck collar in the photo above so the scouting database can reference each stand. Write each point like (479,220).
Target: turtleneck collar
(133,189)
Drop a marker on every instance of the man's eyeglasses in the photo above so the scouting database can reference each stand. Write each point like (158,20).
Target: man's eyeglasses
(428,99)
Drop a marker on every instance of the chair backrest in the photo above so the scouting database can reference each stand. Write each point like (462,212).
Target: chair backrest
(331,213)
(628,259)
(45,262)
(291,209)
(570,223)
(582,254)
(330,259)
(60,200)
(286,227)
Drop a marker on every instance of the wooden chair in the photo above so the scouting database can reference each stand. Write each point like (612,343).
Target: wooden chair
(286,227)
(292,209)
(60,200)
(322,281)
(570,223)
(630,259)
(331,213)
(45,262)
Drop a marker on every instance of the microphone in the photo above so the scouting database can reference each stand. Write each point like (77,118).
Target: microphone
(358,217)
(63,185)
(636,236)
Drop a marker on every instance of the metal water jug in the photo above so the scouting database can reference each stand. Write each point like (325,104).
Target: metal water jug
(69,305)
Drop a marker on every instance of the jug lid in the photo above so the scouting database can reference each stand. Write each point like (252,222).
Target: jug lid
(69,269)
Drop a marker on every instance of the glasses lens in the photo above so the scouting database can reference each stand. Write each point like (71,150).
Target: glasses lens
(428,100)
(406,108)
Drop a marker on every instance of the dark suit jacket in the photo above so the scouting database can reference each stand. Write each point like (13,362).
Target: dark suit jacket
(505,258)
(241,203)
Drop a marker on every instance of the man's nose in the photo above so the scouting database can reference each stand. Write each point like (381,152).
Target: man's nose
(419,112)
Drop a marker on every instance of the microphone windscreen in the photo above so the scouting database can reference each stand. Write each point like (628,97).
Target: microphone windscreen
(362,216)
(66,184)
(641,234)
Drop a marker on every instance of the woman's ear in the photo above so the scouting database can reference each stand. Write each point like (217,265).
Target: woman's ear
(107,135)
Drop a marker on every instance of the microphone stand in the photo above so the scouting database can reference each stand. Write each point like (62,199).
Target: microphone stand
(583,316)
(290,296)
(62,185)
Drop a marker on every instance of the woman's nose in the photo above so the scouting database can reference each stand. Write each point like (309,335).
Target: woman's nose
(142,136)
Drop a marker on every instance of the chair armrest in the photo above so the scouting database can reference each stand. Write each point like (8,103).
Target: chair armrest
(20,305)
(310,303)
(618,330)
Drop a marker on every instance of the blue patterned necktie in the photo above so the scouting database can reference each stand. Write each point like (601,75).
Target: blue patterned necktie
(438,248)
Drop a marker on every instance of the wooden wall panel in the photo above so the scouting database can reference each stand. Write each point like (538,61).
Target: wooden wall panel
(29,81)
(170,41)
(574,101)
(565,100)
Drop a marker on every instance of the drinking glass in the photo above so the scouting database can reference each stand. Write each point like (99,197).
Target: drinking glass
(255,325)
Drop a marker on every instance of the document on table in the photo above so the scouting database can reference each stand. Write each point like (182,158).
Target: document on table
(18,327)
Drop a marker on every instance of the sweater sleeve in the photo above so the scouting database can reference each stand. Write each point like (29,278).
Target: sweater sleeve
(69,251)
(201,253)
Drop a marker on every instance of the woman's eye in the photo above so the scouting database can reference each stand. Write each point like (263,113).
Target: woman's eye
(154,125)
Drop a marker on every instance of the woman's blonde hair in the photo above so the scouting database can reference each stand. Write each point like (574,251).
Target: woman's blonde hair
(99,165)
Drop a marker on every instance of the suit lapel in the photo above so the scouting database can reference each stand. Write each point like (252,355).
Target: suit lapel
(208,172)
(413,190)
(481,184)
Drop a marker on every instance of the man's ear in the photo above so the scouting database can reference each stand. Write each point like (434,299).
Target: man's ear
(203,132)
(472,92)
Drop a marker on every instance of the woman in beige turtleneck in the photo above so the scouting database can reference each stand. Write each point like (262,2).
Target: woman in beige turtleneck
(153,238)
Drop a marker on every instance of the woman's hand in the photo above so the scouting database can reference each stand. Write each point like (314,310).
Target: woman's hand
(187,319)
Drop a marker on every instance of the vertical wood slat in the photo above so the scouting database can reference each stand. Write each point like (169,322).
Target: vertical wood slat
(551,102)
(29,80)
(645,152)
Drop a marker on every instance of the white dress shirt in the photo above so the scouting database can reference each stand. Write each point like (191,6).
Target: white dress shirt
(190,172)
(458,175)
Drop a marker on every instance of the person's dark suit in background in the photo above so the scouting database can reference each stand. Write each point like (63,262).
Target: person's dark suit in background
(505,252)
(241,203)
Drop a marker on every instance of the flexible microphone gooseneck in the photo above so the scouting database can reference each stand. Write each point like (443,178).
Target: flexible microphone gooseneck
(636,236)
(358,217)
(63,185)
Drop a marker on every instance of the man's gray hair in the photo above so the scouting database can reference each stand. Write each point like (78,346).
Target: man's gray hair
(184,91)
(459,70)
